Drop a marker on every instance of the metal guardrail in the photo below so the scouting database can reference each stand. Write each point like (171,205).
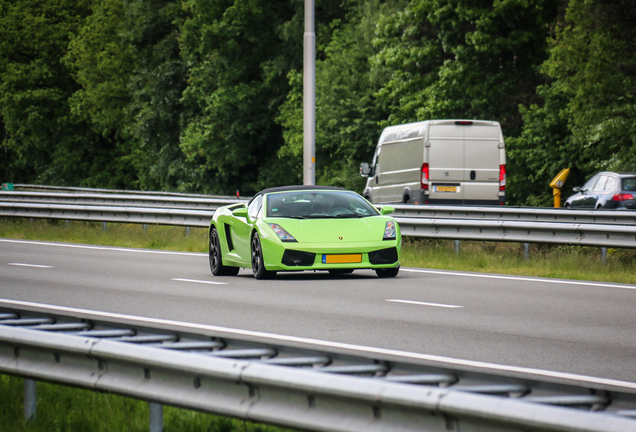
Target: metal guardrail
(115,214)
(518,214)
(113,199)
(69,189)
(173,200)
(296,387)
(522,232)
(603,235)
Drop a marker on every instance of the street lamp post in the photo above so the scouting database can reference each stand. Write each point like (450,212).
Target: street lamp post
(309,96)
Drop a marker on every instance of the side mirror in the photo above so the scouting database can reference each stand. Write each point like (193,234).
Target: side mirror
(240,212)
(576,189)
(385,210)
(364,169)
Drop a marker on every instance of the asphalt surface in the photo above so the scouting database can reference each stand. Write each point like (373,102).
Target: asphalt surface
(552,325)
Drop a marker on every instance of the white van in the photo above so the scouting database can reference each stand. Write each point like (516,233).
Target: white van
(438,162)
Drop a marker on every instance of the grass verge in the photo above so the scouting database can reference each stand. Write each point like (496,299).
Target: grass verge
(553,261)
(66,409)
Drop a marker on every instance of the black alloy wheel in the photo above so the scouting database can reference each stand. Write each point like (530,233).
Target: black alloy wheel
(387,272)
(216,262)
(258,265)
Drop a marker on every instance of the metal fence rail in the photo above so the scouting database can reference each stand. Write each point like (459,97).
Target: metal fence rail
(115,214)
(79,190)
(295,387)
(518,214)
(603,235)
(113,199)
(79,196)
(523,232)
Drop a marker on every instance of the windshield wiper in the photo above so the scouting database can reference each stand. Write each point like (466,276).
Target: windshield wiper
(347,215)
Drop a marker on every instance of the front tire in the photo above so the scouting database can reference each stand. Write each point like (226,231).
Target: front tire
(387,272)
(216,262)
(258,265)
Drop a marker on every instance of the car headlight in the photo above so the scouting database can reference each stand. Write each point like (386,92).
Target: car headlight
(389,230)
(282,234)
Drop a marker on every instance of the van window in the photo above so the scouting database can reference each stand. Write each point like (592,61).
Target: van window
(376,162)
(611,184)
(402,155)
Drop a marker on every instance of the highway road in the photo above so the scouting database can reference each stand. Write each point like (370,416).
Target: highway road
(508,323)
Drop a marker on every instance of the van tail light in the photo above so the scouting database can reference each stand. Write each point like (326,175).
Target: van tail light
(424,179)
(502,177)
(622,197)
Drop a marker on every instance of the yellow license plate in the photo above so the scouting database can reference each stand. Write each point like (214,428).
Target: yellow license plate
(445,188)
(341,258)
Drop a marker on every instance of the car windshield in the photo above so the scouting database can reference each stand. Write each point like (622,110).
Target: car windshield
(318,205)
(629,184)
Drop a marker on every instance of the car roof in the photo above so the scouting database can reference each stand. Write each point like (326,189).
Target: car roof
(299,188)
(620,174)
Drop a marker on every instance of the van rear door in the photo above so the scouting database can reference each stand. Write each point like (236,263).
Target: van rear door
(481,162)
(446,162)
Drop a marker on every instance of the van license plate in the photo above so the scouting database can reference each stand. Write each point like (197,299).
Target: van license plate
(445,188)
(341,258)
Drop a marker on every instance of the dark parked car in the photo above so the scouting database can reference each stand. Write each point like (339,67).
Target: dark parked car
(606,190)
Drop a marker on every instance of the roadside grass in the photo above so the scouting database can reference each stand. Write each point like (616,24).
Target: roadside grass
(66,409)
(551,261)
(122,235)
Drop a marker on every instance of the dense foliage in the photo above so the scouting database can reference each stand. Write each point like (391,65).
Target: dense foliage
(206,95)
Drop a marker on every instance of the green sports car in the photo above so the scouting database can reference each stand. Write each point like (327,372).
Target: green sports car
(293,228)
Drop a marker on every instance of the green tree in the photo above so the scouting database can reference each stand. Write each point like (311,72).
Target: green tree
(156,87)
(541,151)
(471,59)
(593,60)
(237,80)
(347,111)
(43,140)
(584,121)
(127,60)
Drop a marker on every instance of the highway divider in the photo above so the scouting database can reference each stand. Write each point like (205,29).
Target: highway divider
(304,390)
(618,232)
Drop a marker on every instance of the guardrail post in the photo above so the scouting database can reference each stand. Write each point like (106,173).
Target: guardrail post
(145,228)
(30,403)
(604,255)
(456,247)
(526,251)
(187,231)
(105,225)
(156,417)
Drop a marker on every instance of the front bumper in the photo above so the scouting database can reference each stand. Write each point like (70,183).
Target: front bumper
(295,256)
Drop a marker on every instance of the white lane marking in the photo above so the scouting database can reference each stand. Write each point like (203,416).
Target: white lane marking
(424,303)
(199,281)
(329,344)
(149,251)
(30,265)
(521,278)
